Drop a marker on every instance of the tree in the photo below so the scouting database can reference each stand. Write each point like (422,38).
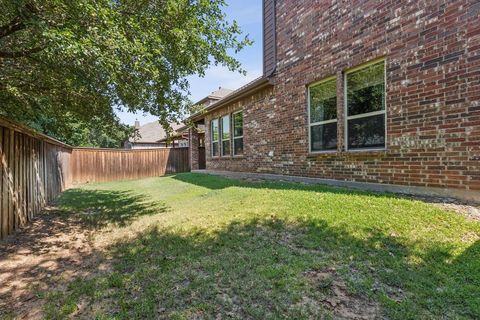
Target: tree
(81,59)
(95,133)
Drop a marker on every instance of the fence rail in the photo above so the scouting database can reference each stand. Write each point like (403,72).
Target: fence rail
(35,169)
(99,165)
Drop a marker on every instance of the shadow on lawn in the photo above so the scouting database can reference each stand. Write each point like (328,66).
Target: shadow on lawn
(213,182)
(56,245)
(270,269)
(102,207)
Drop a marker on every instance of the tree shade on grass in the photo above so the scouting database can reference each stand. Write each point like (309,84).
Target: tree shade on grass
(198,246)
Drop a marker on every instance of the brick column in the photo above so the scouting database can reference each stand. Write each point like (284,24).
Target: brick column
(193,148)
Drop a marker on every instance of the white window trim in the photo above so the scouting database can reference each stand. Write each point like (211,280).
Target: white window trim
(310,125)
(220,136)
(364,115)
(233,132)
(215,141)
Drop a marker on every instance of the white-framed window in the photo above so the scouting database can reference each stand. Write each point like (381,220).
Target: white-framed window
(237,130)
(322,114)
(365,116)
(214,133)
(225,136)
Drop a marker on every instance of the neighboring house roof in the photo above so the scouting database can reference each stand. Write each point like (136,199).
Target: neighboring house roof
(249,88)
(214,96)
(220,93)
(152,132)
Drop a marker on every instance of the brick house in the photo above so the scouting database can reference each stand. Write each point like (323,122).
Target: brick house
(377,92)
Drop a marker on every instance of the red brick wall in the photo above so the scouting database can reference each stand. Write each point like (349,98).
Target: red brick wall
(256,138)
(193,154)
(432,56)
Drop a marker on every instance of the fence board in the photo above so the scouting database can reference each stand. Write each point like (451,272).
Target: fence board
(101,165)
(35,169)
(3,218)
(30,175)
(11,191)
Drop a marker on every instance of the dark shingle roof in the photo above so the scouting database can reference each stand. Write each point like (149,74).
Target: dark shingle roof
(153,132)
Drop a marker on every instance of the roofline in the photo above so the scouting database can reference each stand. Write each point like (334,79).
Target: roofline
(173,137)
(145,142)
(212,97)
(182,128)
(123,149)
(206,98)
(248,89)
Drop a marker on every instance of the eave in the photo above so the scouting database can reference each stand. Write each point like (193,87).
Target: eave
(238,94)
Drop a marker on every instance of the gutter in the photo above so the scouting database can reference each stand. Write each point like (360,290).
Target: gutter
(248,89)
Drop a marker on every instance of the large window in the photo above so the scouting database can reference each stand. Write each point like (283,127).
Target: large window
(225,137)
(214,135)
(322,104)
(237,133)
(365,107)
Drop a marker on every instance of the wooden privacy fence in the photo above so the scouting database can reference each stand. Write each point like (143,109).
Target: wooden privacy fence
(35,169)
(95,165)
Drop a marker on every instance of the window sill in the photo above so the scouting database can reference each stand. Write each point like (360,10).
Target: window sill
(319,153)
(359,152)
(367,150)
(313,155)
(232,157)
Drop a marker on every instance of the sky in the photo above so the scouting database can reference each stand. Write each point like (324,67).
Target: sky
(248,14)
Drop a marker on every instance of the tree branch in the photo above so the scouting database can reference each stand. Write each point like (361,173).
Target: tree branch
(15,25)
(19,54)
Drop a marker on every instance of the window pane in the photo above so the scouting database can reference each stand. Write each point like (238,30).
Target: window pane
(324,137)
(323,101)
(238,124)
(226,128)
(238,146)
(215,130)
(366,90)
(366,132)
(215,152)
(225,148)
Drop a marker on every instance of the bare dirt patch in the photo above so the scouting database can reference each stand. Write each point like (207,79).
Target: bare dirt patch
(51,248)
(470,211)
(338,300)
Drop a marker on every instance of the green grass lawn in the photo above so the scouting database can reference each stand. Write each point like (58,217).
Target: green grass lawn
(198,246)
